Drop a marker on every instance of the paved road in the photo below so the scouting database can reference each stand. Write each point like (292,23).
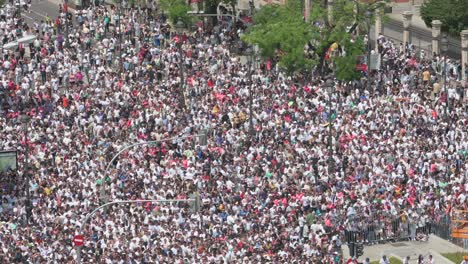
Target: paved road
(39,10)
(435,246)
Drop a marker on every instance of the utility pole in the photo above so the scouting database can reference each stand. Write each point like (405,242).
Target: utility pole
(330,138)
(252,60)
(181,73)
(180,26)
(119,32)
(19,13)
(25,121)
(369,48)
(251,129)
(307,11)
(329,86)
(252,7)
(67,44)
(444,48)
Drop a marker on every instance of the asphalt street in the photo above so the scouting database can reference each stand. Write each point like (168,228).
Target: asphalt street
(435,246)
(39,10)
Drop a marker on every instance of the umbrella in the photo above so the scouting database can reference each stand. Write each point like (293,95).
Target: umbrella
(11,45)
(27,39)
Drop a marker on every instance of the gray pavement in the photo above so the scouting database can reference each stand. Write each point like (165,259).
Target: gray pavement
(435,246)
(39,10)
(420,36)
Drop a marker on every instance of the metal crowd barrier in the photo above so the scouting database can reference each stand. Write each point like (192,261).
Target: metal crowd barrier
(392,231)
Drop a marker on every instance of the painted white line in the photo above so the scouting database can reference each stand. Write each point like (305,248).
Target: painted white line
(39,14)
(28,17)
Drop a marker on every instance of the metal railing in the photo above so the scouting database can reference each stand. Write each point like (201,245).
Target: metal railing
(388,231)
(380,232)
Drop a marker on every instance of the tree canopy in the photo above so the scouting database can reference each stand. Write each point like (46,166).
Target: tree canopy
(280,30)
(452,13)
(176,9)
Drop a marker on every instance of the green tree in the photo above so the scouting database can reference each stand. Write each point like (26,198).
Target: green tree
(348,16)
(281,31)
(452,13)
(176,9)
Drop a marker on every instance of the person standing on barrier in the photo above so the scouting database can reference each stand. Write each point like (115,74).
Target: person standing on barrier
(384,260)
(407,259)
(420,259)
(430,260)
(465,260)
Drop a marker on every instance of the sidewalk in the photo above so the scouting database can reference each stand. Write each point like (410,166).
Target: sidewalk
(435,246)
(421,35)
(399,8)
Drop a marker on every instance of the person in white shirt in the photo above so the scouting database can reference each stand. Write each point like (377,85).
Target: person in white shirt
(384,260)
(465,260)
(430,260)
(407,259)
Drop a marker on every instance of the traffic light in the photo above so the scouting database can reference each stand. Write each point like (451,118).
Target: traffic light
(351,247)
(345,163)
(359,249)
(314,165)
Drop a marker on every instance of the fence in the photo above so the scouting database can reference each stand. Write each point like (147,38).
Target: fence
(389,231)
(399,230)
(443,229)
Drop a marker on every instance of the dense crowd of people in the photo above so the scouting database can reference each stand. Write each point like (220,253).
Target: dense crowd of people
(285,191)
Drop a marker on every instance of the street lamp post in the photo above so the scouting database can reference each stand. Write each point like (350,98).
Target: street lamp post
(25,120)
(19,13)
(250,55)
(118,31)
(78,252)
(67,43)
(120,151)
(88,216)
(444,48)
(369,48)
(329,86)
(180,26)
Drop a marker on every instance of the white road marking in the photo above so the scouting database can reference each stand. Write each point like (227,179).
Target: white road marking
(39,14)
(28,17)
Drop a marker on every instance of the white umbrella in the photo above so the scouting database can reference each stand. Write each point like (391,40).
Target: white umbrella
(11,45)
(27,39)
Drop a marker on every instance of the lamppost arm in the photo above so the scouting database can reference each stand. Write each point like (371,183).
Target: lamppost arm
(139,144)
(83,224)
(88,216)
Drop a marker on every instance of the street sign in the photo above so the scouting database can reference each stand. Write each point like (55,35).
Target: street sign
(375,62)
(78,240)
